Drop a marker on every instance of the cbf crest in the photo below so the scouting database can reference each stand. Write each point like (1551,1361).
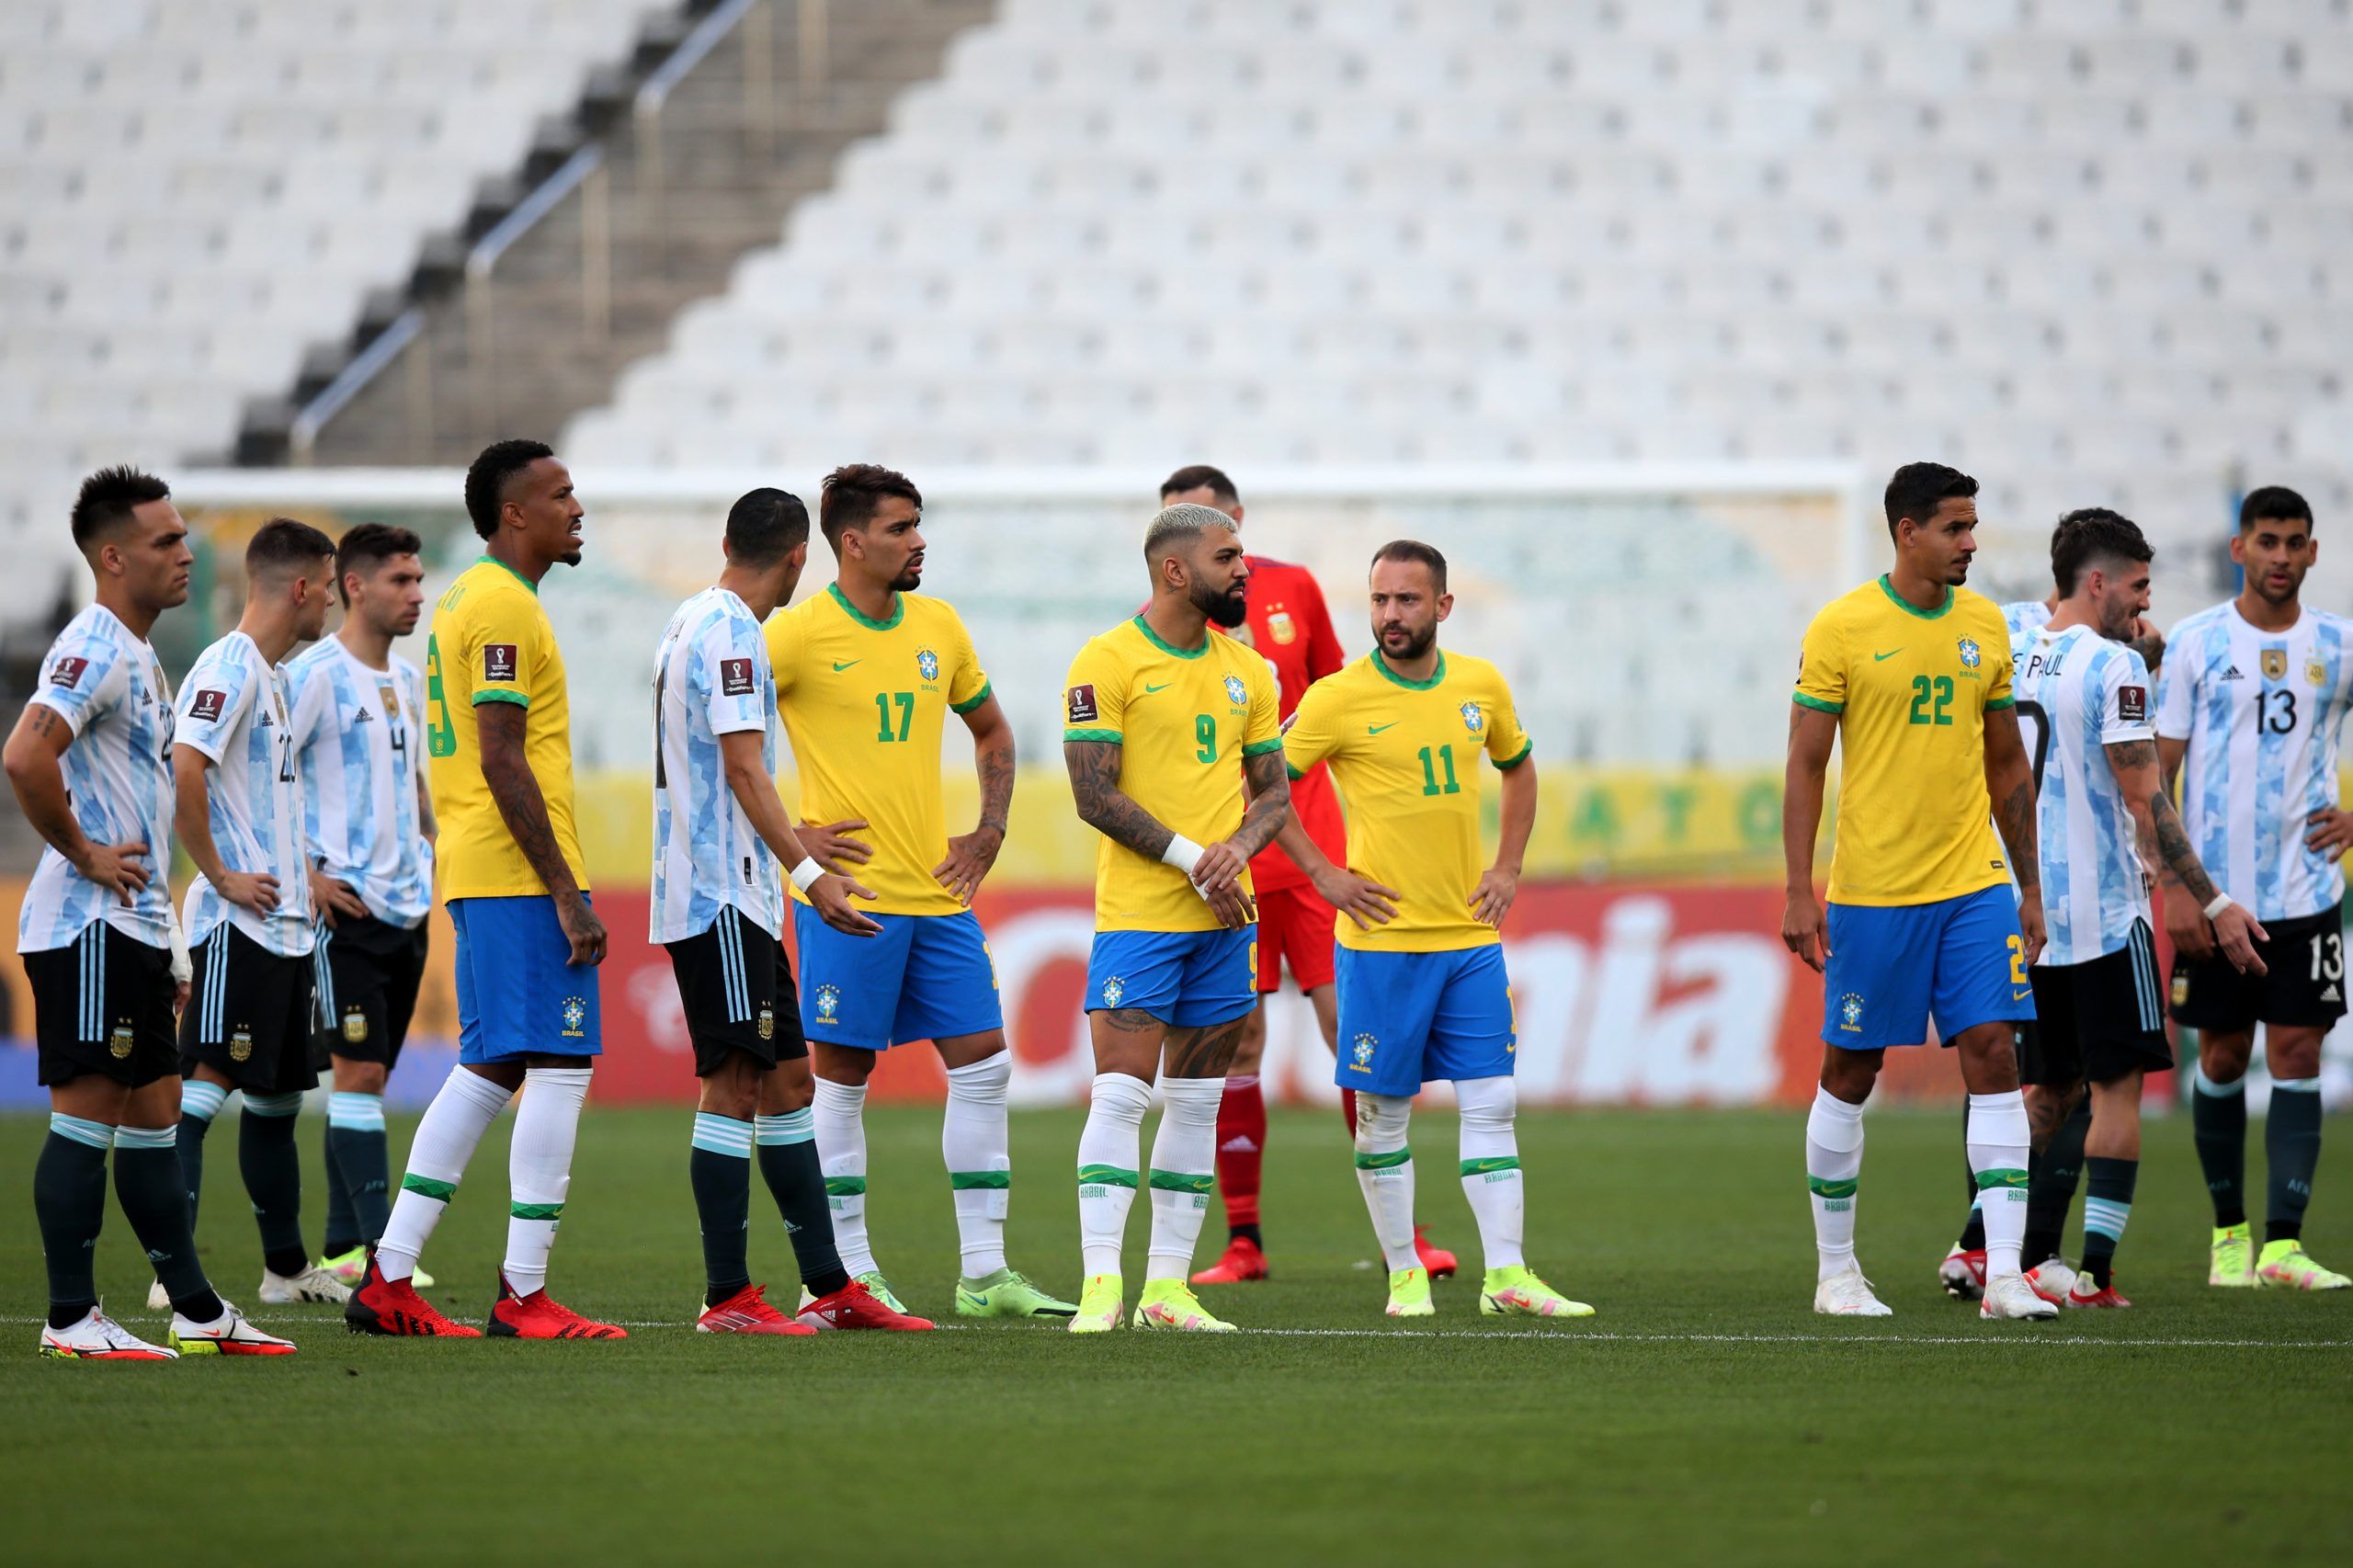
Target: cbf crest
(1851,1013)
(1360,1053)
(1972,655)
(1474,718)
(1235,692)
(829,1003)
(575,1013)
(1113,989)
(927,664)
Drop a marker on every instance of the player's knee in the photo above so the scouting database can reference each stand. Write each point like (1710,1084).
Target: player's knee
(359,1077)
(2223,1058)
(985,1081)
(1488,1104)
(2292,1053)
(1381,1120)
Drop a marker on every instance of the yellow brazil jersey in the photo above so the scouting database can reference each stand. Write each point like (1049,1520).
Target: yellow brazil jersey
(1183,720)
(864,704)
(1405,755)
(490,643)
(1910,689)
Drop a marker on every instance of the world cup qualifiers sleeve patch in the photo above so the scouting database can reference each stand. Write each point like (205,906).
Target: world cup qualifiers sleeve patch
(735,677)
(2133,704)
(1081,705)
(498,661)
(208,705)
(66,673)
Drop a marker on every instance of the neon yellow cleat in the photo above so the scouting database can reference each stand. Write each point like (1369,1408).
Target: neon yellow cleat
(1170,1303)
(2288,1266)
(1098,1305)
(2233,1265)
(1516,1292)
(1409,1294)
(1007,1294)
(350,1267)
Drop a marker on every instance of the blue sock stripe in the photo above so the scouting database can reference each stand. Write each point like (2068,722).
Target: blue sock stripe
(89,1134)
(360,1113)
(200,1099)
(2206,1085)
(273,1104)
(2294,1085)
(2106,1217)
(792,1127)
(723,1135)
(146,1137)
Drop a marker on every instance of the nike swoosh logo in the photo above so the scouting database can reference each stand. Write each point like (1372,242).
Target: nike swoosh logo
(1162,687)
(2021,995)
(1376,729)
(839,669)
(1882,658)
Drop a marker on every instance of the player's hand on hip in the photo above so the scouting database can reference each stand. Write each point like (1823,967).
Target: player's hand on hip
(970,858)
(180,994)
(1803,931)
(1233,908)
(2031,925)
(117,866)
(256,890)
(832,842)
(2236,933)
(332,897)
(582,929)
(829,894)
(1221,866)
(1361,899)
(1491,899)
(2332,832)
(2193,937)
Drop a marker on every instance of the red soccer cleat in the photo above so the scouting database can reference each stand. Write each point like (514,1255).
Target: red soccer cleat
(1962,1274)
(541,1316)
(747,1311)
(379,1305)
(2084,1293)
(1243,1260)
(854,1306)
(1437,1259)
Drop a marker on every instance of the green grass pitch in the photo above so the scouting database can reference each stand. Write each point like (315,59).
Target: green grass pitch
(1704,1415)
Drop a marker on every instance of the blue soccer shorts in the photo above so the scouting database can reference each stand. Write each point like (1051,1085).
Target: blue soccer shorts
(1409,1019)
(925,977)
(518,992)
(1187,979)
(1893,967)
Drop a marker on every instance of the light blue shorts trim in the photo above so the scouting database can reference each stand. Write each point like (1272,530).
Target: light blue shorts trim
(925,977)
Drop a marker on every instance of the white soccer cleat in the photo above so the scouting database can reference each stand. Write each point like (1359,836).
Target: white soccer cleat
(1848,1295)
(1962,1274)
(315,1285)
(230,1335)
(2051,1279)
(98,1337)
(2012,1297)
(158,1299)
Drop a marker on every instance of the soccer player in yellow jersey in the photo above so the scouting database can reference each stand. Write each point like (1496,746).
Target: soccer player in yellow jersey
(1912,671)
(1175,758)
(866,676)
(1423,990)
(498,732)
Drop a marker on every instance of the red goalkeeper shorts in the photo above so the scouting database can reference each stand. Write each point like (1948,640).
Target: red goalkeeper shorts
(1294,925)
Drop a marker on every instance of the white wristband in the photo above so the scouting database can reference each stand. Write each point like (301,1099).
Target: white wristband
(183,971)
(806,872)
(1181,853)
(2222,901)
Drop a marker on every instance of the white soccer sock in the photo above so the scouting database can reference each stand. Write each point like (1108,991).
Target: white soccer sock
(538,1169)
(840,1114)
(974,1142)
(1833,1160)
(1385,1172)
(461,1111)
(2000,1139)
(1110,1152)
(1184,1160)
(1491,1168)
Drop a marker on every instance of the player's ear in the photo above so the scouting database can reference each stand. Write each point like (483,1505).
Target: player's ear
(1444,606)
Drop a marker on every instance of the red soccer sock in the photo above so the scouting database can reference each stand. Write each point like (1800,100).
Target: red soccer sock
(1348,1111)
(1241,1148)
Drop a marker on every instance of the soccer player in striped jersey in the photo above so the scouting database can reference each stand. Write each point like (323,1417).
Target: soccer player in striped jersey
(720,837)
(90,763)
(2248,713)
(866,673)
(1423,993)
(498,730)
(2084,709)
(1911,673)
(238,782)
(368,827)
(1174,757)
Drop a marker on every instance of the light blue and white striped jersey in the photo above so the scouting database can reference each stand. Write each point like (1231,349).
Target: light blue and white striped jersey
(2079,694)
(355,734)
(2261,712)
(107,684)
(234,710)
(2026,615)
(711,677)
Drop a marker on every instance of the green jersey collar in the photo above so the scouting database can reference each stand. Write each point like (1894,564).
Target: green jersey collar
(1436,676)
(1906,606)
(898,610)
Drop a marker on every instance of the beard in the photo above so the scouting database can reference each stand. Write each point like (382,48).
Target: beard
(1227,610)
(909,579)
(1417,644)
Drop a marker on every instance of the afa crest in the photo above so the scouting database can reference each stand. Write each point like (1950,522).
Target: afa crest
(1473,719)
(829,1001)
(927,664)
(241,1044)
(1970,654)
(2315,671)
(767,1022)
(355,1025)
(1113,989)
(118,1043)
(575,1013)
(1851,1013)
(1361,1054)
(1235,692)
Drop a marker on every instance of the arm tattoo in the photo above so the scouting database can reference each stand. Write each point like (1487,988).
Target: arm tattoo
(995,764)
(1270,783)
(45,721)
(2016,815)
(2174,852)
(2151,648)
(1103,806)
(1203,1052)
(517,790)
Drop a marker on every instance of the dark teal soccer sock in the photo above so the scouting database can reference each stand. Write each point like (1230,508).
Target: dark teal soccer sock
(272,1171)
(342,1223)
(719,1165)
(2052,1177)
(147,1182)
(69,1202)
(358,1171)
(2217,1124)
(199,1103)
(2292,1148)
(2106,1205)
(788,1151)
